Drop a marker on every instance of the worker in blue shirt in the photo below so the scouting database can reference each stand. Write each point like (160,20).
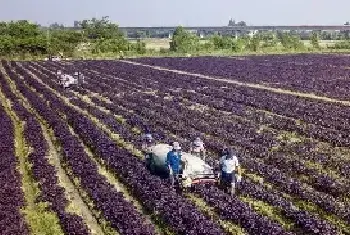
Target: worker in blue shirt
(173,162)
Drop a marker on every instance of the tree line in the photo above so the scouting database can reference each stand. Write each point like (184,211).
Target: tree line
(21,38)
(186,42)
(99,36)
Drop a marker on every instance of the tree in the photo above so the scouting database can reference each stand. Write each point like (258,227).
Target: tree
(96,29)
(104,35)
(314,40)
(254,43)
(222,42)
(183,41)
(20,38)
(97,35)
(217,41)
(268,39)
(138,47)
(64,40)
(289,41)
(239,44)
(6,45)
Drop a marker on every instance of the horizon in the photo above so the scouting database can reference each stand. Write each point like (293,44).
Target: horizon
(153,26)
(196,13)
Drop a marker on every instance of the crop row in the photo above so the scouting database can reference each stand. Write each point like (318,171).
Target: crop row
(212,101)
(144,106)
(154,194)
(41,170)
(99,114)
(327,121)
(308,151)
(320,182)
(105,197)
(253,217)
(12,198)
(322,75)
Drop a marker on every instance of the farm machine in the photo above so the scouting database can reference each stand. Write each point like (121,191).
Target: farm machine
(67,80)
(194,169)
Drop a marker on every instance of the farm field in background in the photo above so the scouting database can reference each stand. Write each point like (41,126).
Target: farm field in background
(72,161)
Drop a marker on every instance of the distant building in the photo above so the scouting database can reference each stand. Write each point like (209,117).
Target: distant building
(232,22)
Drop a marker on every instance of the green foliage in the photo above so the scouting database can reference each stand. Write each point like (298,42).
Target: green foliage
(163,50)
(342,45)
(184,41)
(100,37)
(109,45)
(222,42)
(21,37)
(240,44)
(268,40)
(206,46)
(290,41)
(103,36)
(64,41)
(139,47)
(254,43)
(314,40)
(231,43)
(96,29)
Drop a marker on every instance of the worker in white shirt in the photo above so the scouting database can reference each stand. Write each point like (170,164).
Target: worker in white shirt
(197,148)
(230,170)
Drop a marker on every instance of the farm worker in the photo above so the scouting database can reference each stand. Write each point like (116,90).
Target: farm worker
(173,162)
(171,143)
(197,148)
(224,152)
(147,145)
(147,142)
(230,169)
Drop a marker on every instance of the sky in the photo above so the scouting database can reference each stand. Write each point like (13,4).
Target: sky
(179,12)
